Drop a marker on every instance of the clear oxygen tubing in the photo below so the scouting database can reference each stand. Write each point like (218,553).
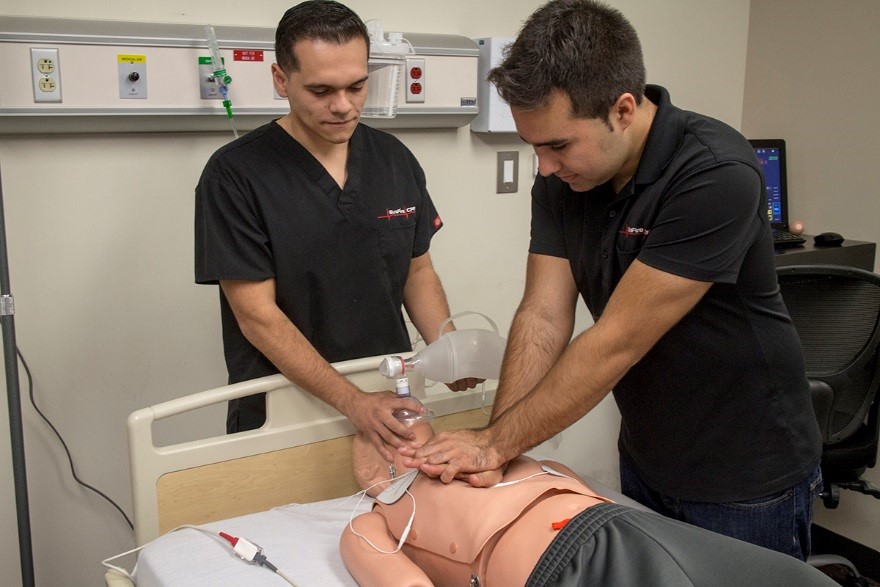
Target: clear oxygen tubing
(221,78)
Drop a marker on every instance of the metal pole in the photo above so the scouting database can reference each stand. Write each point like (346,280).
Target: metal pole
(19,471)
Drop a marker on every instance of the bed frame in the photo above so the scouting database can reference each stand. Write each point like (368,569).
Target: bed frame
(301,454)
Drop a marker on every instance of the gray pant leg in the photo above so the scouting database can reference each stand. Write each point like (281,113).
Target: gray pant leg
(611,545)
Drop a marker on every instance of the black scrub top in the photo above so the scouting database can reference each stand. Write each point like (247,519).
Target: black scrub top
(266,208)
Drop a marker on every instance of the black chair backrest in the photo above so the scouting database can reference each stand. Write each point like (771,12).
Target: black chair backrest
(836,312)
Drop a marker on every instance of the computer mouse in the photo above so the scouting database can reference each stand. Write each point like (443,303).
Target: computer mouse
(828,239)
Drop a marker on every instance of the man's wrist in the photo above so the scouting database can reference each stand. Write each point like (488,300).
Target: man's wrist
(496,446)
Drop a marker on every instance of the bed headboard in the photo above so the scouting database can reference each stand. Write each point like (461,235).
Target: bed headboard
(301,454)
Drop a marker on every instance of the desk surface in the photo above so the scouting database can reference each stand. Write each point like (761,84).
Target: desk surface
(858,254)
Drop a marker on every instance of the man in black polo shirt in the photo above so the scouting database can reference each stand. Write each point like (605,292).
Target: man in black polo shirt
(657,218)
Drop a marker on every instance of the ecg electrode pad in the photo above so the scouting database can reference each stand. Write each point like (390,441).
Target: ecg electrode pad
(394,491)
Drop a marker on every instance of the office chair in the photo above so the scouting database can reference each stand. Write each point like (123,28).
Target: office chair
(836,312)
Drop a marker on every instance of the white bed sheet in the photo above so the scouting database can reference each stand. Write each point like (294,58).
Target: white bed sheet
(301,540)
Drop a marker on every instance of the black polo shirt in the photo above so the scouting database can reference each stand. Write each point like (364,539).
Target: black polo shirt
(719,409)
(266,208)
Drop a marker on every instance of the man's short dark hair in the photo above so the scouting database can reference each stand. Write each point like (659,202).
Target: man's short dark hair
(584,48)
(317,20)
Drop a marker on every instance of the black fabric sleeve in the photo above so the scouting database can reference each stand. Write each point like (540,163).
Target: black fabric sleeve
(708,221)
(230,238)
(428,220)
(546,236)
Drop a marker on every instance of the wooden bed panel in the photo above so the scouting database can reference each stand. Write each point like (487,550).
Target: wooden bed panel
(300,474)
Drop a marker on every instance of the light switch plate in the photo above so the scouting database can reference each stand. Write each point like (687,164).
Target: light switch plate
(507,172)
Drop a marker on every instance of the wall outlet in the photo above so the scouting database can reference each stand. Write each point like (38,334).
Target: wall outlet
(46,71)
(415,80)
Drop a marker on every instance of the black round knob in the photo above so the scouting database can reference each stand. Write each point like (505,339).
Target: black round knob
(134,76)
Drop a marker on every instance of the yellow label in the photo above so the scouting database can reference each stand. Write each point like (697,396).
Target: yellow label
(132,58)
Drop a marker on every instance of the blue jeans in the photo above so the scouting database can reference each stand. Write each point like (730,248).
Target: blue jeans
(780,521)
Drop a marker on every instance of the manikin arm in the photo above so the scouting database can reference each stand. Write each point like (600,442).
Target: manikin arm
(370,567)
(267,328)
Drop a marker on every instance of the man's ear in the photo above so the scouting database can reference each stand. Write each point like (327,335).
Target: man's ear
(279,79)
(623,111)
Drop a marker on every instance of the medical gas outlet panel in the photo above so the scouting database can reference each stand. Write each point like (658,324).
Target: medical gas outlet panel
(65,75)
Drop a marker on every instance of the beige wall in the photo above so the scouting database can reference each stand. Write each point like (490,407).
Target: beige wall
(812,74)
(100,242)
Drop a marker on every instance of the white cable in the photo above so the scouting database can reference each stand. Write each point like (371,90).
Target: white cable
(106,562)
(403,535)
(215,535)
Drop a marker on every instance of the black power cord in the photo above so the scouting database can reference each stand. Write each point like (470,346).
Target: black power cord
(64,444)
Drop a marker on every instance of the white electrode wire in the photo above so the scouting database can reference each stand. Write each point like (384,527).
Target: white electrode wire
(215,535)
(403,535)
(106,562)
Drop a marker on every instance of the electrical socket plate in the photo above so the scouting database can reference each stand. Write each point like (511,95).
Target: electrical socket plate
(46,70)
(415,81)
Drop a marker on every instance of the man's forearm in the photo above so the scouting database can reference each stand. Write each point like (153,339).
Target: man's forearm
(285,346)
(424,299)
(535,342)
(572,386)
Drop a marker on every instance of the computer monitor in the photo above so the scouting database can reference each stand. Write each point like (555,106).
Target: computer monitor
(771,155)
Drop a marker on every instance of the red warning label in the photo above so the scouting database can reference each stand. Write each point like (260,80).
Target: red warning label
(247,55)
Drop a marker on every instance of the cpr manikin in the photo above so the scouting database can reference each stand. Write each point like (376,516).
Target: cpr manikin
(541,525)
(459,534)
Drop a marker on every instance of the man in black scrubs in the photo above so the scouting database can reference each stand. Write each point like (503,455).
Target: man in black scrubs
(657,218)
(317,229)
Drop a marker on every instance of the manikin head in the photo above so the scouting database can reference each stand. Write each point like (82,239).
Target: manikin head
(371,468)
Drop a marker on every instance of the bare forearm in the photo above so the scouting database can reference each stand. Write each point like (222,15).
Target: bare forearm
(285,346)
(535,342)
(424,299)
(646,304)
(576,383)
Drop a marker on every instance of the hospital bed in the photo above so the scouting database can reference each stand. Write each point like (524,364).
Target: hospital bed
(283,486)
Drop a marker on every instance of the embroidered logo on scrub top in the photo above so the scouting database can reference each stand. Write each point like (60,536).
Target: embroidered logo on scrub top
(629,231)
(399,213)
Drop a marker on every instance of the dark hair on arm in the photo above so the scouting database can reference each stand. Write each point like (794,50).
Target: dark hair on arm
(584,48)
(319,20)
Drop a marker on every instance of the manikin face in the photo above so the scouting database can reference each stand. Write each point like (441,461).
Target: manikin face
(327,93)
(370,467)
(582,152)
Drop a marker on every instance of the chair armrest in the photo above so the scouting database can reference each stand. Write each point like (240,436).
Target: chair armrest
(822,396)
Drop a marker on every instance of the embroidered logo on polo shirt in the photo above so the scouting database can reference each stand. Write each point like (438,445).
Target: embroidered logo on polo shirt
(398,213)
(629,231)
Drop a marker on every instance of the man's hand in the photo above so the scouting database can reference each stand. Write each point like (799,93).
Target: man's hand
(466,454)
(372,414)
(463,384)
